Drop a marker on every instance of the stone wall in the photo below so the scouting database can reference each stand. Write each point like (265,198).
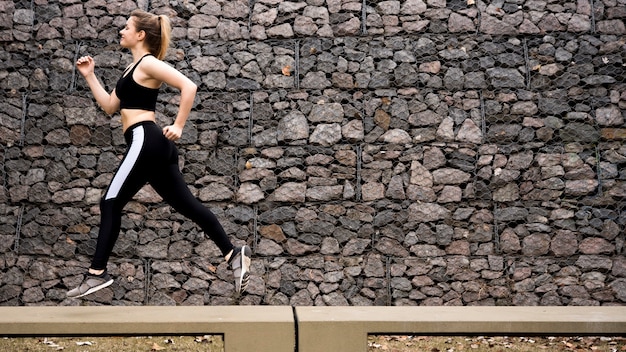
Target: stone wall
(410,152)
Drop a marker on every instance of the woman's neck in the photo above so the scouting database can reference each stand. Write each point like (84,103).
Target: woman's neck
(138,53)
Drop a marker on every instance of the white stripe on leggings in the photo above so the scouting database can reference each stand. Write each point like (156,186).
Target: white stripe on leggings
(128,163)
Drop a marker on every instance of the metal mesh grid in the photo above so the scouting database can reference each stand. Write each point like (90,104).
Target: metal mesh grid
(387,153)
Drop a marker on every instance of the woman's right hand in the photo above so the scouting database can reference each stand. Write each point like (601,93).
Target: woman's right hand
(85,65)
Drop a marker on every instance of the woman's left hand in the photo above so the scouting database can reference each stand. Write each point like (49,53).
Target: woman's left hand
(172,132)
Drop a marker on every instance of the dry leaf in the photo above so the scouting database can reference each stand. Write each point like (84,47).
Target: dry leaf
(287,70)
(156,347)
(471,2)
(248,165)
(204,339)
(52,344)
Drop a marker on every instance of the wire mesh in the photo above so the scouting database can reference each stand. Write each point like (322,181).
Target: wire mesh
(371,152)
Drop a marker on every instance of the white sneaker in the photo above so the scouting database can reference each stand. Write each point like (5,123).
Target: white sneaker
(240,263)
(91,283)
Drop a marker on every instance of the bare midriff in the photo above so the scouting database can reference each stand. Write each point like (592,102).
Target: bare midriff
(132,116)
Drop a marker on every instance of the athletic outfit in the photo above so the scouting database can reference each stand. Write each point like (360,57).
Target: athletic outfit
(152,158)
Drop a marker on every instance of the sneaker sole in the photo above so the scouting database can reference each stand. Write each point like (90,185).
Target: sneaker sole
(96,288)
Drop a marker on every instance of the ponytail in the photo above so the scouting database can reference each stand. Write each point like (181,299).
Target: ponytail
(166,32)
(158,31)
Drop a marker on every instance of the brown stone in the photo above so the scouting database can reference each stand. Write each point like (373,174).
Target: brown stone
(80,135)
(382,119)
(273,232)
(613,133)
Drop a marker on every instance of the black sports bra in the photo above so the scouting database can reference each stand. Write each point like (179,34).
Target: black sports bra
(133,95)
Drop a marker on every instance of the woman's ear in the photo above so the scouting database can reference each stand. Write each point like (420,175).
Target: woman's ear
(141,35)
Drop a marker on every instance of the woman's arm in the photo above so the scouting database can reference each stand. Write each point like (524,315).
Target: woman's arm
(161,71)
(108,102)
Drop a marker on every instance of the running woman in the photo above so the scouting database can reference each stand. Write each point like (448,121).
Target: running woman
(151,156)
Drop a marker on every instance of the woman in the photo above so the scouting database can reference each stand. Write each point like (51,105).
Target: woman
(151,156)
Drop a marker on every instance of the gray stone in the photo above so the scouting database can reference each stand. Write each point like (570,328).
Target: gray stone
(609,116)
(505,78)
(326,134)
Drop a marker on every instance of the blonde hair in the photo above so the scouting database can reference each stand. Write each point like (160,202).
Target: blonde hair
(158,31)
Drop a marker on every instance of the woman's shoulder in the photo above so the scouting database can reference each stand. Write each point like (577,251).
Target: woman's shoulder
(150,58)
(154,62)
(151,63)
(158,69)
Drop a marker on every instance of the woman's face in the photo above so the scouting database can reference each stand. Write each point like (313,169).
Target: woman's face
(129,34)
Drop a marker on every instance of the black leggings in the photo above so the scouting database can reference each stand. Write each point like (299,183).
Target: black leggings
(150,158)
